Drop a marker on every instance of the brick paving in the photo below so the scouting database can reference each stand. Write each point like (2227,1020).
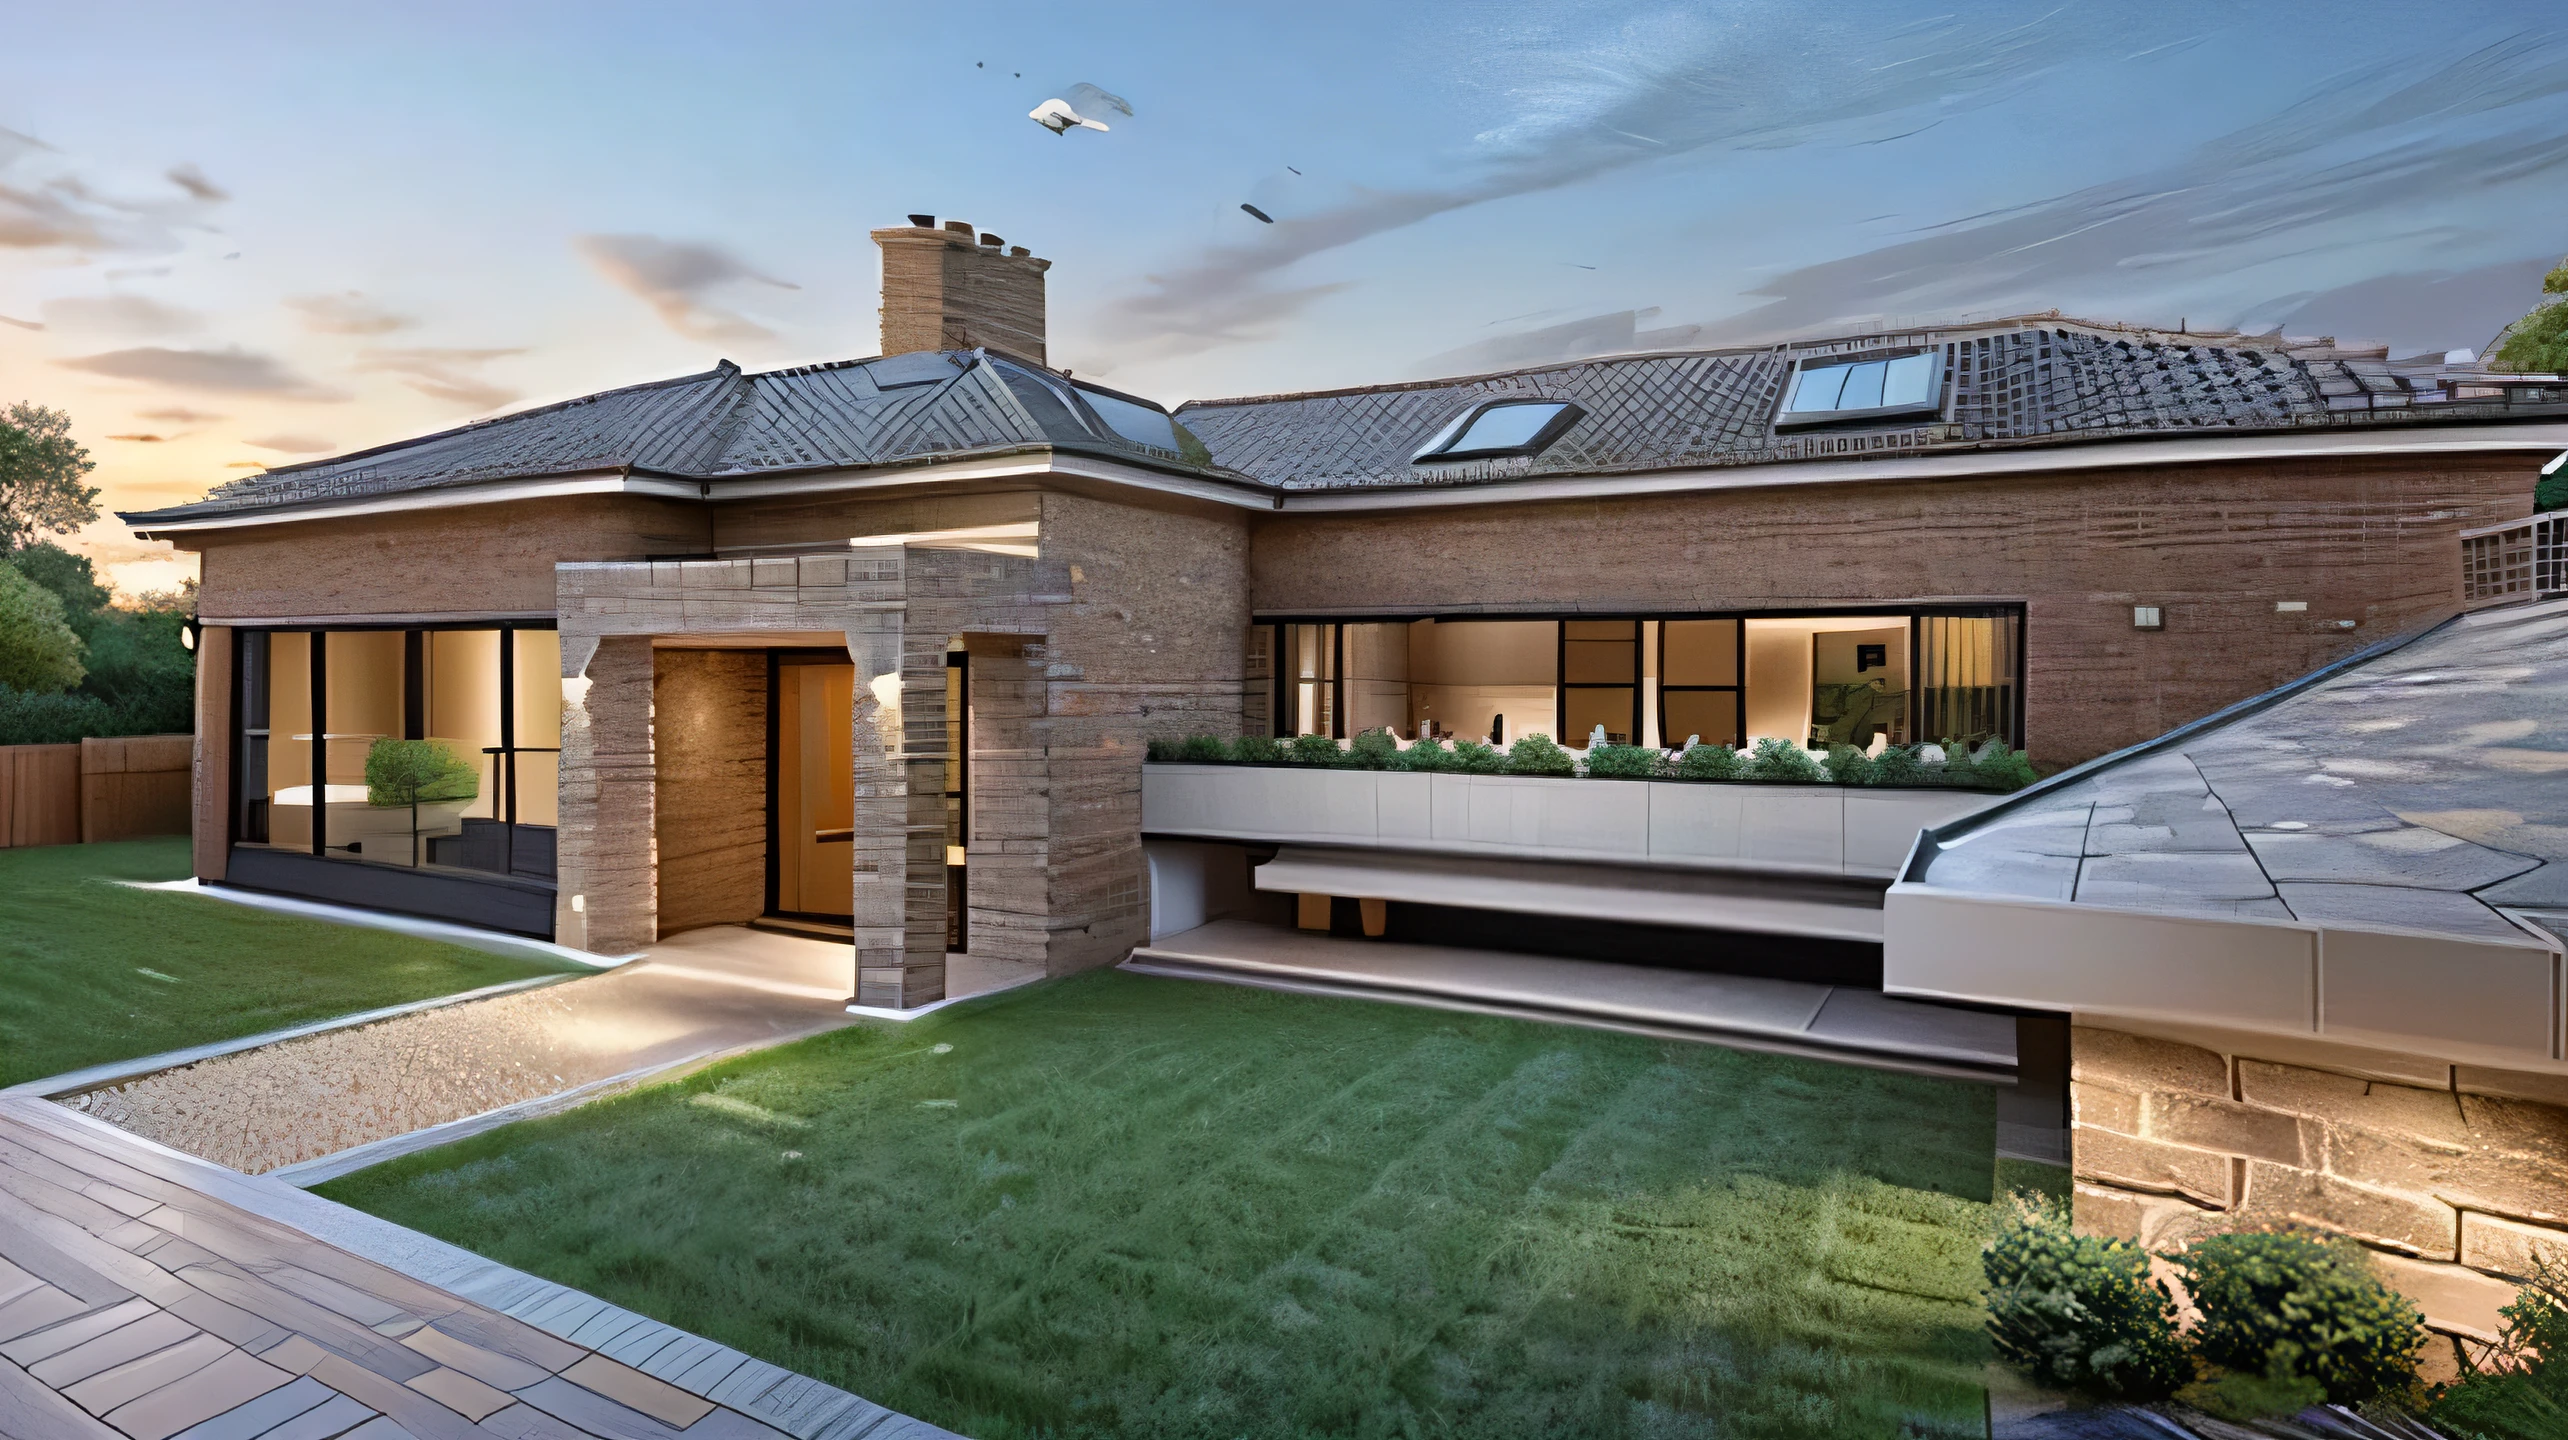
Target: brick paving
(135,1304)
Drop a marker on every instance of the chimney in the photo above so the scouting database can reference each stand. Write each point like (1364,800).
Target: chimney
(954,288)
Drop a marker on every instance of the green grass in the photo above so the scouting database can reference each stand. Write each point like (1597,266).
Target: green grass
(1122,1206)
(92,971)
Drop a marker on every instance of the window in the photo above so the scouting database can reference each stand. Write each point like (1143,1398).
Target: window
(1600,681)
(1699,683)
(899,372)
(1821,391)
(1507,427)
(1141,424)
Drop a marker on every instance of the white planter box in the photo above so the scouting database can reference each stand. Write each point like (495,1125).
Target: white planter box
(1797,829)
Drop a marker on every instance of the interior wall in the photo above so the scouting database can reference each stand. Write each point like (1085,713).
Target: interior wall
(1781,656)
(709,735)
(1470,672)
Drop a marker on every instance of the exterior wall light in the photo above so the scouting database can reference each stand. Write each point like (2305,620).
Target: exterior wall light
(2286,607)
(2148,617)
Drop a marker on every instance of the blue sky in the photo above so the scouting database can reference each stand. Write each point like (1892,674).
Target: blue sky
(265,232)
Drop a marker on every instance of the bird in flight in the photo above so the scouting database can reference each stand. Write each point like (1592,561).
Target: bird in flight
(1257,213)
(1078,108)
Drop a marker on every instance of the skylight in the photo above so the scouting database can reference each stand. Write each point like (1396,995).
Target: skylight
(922,367)
(1509,427)
(1863,389)
(1135,422)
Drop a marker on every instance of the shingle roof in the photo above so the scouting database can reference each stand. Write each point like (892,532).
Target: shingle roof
(2418,788)
(718,424)
(2012,382)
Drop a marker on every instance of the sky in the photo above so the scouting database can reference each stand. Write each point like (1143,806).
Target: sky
(252,234)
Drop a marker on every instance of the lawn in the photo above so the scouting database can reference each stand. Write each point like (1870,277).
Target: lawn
(92,971)
(1115,1205)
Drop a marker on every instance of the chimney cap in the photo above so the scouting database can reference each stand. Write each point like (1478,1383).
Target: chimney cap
(923,222)
(993,241)
(1019,250)
(959,227)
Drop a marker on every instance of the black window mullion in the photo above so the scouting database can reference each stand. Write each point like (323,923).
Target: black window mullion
(319,660)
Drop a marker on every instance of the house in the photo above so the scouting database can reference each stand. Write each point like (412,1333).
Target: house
(874,647)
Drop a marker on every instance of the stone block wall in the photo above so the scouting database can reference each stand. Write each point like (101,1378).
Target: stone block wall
(709,737)
(2453,1177)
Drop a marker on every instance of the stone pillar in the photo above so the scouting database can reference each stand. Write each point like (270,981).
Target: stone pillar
(899,770)
(211,820)
(609,898)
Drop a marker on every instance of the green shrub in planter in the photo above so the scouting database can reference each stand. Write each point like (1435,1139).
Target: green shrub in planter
(1997,767)
(1624,762)
(1314,750)
(1536,754)
(2283,1303)
(1897,765)
(1708,762)
(2079,1312)
(1848,766)
(1473,757)
(1158,749)
(1425,754)
(1373,750)
(1203,749)
(1256,750)
(1776,759)
(2521,1391)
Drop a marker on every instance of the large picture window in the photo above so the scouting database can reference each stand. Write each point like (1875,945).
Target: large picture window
(1864,678)
(421,748)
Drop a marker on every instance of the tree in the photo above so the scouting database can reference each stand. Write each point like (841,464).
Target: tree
(37,650)
(405,772)
(72,579)
(40,470)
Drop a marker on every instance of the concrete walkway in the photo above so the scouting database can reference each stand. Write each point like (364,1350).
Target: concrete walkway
(1833,1022)
(146,1295)
(324,1104)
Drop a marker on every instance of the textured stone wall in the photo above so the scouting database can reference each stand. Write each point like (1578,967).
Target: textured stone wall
(2453,1176)
(2369,540)
(709,742)
(608,860)
(473,560)
(943,290)
(210,825)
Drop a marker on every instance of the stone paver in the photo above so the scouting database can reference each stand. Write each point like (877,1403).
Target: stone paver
(701,993)
(176,1314)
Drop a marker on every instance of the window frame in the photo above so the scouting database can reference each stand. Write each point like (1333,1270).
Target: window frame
(1439,448)
(1562,684)
(1786,418)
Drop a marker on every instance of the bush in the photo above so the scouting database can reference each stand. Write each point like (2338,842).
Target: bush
(1423,754)
(411,772)
(1202,749)
(1256,750)
(1848,766)
(1373,750)
(1782,760)
(1536,754)
(1314,750)
(2079,1312)
(1897,765)
(1474,757)
(1993,766)
(1156,748)
(2284,1303)
(1625,762)
(38,650)
(1708,762)
(2521,1391)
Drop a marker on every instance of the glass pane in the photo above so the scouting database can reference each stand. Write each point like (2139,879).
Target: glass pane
(364,701)
(286,817)
(1859,683)
(1863,386)
(1138,423)
(1967,681)
(460,669)
(1911,379)
(1377,680)
(1311,676)
(250,746)
(1701,652)
(1588,708)
(539,724)
(1258,704)
(1817,389)
(1711,716)
(1469,676)
(1503,427)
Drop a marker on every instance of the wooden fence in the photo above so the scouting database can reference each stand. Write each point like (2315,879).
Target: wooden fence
(95,790)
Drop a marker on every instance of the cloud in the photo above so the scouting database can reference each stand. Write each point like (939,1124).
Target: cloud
(293,444)
(2377,163)
(192,180)
(443,374)
(231,371)
(120,315)
(1589,97)
(144,439)
(179,415)
(346,313)
(676,278)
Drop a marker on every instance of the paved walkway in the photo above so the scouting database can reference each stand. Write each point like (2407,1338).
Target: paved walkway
(1833,1022)
(145,1295)
(326,1103)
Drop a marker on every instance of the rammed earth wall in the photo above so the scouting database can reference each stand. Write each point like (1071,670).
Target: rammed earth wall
(2455,1177)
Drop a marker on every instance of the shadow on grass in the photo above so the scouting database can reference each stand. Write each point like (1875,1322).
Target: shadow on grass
(1114,1205)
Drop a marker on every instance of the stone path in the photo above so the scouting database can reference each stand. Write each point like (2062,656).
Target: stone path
(700,994)
(145,1295)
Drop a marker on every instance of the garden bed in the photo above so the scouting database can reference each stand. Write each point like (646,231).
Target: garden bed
(1991,766)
